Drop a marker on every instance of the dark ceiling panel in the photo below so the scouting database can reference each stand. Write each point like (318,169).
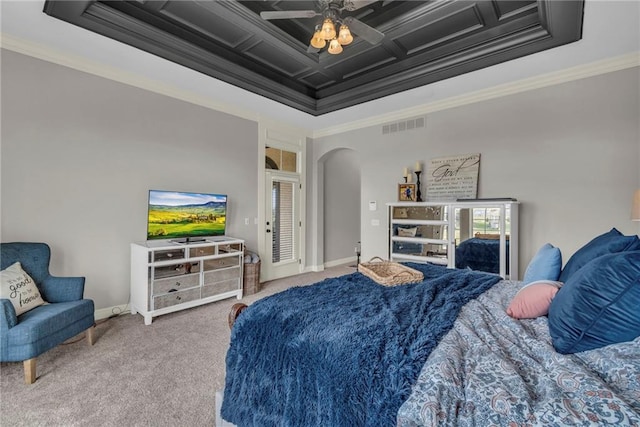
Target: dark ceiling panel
(425,41)
(350,66)
(316,80)
(432,31)
(205,22)
(273,57)
(505,9)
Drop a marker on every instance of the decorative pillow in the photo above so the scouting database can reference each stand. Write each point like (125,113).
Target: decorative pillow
(533,300)
(407,232)
(598,305)
(606,243)
(19,288)
(545,265)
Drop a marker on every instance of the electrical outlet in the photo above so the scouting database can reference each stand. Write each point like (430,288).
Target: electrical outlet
(246,221)
(375,222)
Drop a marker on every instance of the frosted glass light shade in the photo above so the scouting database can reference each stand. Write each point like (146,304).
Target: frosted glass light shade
(635,207)
(318,40)
(345,37)
(334,47)
(328,29)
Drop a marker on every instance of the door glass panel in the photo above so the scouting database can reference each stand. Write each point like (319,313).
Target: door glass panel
(283,227)
(289,161)
(281,160)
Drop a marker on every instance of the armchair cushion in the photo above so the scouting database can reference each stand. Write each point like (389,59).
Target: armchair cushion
(19,288)
(45,327)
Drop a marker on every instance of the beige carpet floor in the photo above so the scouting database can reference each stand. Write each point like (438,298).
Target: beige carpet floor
(164,374)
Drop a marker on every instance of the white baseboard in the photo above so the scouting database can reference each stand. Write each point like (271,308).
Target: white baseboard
(116,310)
(342,261)
(313,268)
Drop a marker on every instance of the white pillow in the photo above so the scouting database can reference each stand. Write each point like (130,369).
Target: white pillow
(407,232)
(19,288)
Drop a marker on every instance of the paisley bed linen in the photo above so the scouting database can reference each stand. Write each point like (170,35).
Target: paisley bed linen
(491,369)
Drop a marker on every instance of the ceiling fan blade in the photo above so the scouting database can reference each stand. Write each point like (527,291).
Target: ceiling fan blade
(288,14)
(363,30)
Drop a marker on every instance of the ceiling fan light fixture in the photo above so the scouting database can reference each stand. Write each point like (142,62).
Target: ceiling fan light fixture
(344,37)
(328,29)
(318,40)
(334,47)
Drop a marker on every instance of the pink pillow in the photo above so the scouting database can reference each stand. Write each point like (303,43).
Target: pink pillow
(533,300)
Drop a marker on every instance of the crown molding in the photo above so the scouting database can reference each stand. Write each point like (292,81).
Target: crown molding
(550,79)
(544,80)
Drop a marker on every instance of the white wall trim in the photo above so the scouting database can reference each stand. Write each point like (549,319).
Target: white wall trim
(313,268)
(570,74)
(342,261)
(116,310)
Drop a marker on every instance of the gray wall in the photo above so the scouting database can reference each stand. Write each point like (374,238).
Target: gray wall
(79,154)
(342,204)
(569,153)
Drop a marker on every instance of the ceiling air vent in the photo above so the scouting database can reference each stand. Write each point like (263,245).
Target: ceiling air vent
(402,126)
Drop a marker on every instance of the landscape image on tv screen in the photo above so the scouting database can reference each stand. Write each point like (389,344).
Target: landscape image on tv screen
(174,215)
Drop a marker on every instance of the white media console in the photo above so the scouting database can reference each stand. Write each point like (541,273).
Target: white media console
(169,276)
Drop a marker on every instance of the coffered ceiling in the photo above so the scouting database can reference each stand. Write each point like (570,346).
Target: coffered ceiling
(424,42)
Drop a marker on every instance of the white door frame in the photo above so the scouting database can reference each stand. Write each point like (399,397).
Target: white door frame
(291,139)
(293,265)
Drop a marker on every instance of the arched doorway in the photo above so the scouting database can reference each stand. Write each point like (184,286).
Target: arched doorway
(341,205)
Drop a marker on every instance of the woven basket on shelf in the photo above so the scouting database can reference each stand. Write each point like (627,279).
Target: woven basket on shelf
(389,273)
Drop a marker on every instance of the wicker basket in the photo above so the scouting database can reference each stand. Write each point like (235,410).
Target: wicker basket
(389,273)
(251,278)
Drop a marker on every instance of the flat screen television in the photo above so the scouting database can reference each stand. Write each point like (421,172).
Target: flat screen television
(184,216)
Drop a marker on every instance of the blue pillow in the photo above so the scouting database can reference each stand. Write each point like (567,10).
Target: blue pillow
(545,265)
(606,243)
(599,304)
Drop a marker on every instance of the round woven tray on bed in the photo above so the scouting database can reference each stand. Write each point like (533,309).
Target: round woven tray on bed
(389,273)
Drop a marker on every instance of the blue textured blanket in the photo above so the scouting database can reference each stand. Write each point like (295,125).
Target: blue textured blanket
(342,352)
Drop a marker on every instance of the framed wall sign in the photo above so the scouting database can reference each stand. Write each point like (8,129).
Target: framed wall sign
(453,177)
(407,192)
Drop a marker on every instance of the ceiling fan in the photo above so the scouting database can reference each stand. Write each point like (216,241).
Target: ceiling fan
(325,32)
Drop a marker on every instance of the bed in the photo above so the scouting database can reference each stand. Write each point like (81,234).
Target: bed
(348,351)
(491,369)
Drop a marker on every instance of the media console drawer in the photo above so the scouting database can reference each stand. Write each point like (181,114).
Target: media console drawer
(220,287)
(214,264)
(167,255)
(177,283)
(174,270)
(220,275)
(174,298)
(202,251)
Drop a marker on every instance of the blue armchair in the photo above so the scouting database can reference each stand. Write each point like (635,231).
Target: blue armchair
(24,337)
